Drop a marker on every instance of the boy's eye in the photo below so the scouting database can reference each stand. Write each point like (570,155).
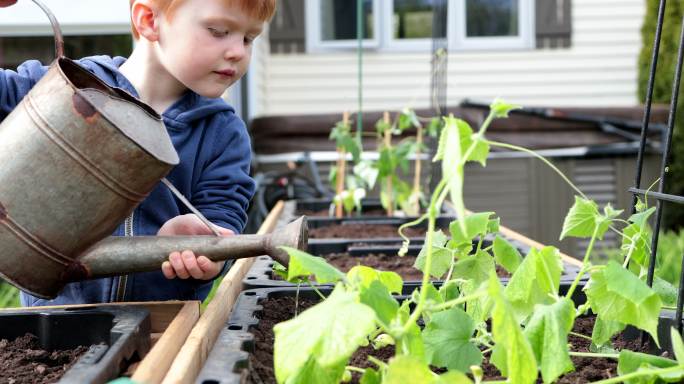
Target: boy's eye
(249,40)
(217,33)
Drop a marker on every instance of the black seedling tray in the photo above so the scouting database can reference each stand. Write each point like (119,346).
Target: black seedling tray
(442,222)
(116,335)
(320,204)
(261,274)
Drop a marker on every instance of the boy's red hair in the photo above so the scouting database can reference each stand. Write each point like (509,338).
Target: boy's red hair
(259,9)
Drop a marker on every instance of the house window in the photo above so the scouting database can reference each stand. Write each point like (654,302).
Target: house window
(334,23)
(408,24)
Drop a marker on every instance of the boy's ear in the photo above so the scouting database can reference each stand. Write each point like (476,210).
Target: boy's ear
(144,16)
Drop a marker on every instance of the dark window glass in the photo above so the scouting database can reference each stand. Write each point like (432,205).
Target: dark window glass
(338,20)
(413,19)
(491,18)
(16,50)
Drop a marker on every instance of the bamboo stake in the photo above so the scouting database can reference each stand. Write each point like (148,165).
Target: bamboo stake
(416,177)
(192,356)
(388,145)
(341,165)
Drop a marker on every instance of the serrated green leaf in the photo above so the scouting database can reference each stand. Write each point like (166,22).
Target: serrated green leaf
(641,218)
(475,224)
(677,345)
(536,281)
(303,264)
(476,267)
(322,337)
(630,362)
(365,276)
(547,332)
(480,147)
(441,257)
(377,297)
(506,254)
(447,341)
(581,219)
(616,294)
(604,330)
(512,352)
(500,108)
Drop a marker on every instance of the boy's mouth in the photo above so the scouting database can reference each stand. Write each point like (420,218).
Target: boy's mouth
(226,72)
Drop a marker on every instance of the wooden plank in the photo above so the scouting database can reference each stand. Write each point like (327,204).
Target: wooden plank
(157,362)
(187,364)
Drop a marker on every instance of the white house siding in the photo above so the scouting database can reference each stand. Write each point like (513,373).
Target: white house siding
(600,69)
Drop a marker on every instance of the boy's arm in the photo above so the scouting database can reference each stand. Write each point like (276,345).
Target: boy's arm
(15,85)
(225,188)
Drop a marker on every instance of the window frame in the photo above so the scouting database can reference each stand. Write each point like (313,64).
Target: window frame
(384,40)
(314,41)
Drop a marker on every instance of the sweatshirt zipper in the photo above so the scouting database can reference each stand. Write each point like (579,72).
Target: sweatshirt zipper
(121,286)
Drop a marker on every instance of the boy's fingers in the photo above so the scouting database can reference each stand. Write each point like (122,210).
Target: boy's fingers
(190,262)
(178,265)
(167,270)
(209,268)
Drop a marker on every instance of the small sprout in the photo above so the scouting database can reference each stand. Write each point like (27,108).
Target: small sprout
(382,341)
(346,377)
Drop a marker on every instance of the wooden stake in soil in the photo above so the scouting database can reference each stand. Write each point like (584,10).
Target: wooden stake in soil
(341,165)
(388,145)
(189,361)
(416,177)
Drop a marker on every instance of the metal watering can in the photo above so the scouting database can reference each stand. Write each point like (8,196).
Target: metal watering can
(76,158)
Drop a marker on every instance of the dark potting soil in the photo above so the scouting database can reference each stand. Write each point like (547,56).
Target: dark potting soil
(23,361)
(276,310)
(586,369)
(362,231)
(326,213)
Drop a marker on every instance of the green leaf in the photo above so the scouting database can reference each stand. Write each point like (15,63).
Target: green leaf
(475,224)
(370,376)
(604,330)
(536,281)
(630,362)
(500,108)
(452,166)
(635,242)
(641,218)
(365,276)
(434,127)
(616,294)
(506,254)
(677,345)
(582,219)
(368,172)
(321,337)
(412,343)
(480,149)
(666,291)
(453,377)
(476,267)
(547,332)
(407,369)
(303,264)
(377,297)
(512,353)
(441,257)
(447,341)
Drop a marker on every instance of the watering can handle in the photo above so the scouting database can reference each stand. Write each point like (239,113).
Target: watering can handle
(59,39)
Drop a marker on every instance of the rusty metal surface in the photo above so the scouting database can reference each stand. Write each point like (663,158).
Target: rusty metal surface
(69,175)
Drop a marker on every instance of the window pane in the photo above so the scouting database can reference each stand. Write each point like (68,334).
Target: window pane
(491,18)
(16,50)
(413,19)
(338,20)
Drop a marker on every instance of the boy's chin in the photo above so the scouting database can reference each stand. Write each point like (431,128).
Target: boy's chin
(210,93)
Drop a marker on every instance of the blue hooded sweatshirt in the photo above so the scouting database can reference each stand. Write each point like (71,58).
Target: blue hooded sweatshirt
(213,173)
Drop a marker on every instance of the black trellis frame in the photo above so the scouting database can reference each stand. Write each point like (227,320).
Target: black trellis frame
(660,196)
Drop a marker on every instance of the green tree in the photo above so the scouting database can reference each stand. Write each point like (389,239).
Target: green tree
(662,92)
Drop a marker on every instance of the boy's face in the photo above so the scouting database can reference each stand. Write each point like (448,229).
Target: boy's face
(207,44)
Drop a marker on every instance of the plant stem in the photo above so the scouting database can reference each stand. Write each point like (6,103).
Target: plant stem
(321,295)
(596,355)
(585,263)
(355,369)
(388,147)
(580,335)
(452,303)
(542,158)
(641,372)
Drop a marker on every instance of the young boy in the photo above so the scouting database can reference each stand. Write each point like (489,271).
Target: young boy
(188,52)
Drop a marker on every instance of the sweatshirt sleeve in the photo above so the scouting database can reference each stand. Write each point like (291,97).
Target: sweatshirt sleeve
(14,85)
(225,188)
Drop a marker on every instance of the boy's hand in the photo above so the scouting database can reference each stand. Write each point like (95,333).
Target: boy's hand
(186,264)
(7,3)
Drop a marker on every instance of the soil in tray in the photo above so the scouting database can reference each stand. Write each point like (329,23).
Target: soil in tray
(276,310)
(326,213)
(23,361)
(362,231)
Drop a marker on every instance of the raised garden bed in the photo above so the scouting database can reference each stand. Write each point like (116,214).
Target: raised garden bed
(72,345)
(244,351)
(380,228)
(320,209)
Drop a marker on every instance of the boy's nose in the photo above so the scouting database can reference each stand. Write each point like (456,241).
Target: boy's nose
(235,51)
